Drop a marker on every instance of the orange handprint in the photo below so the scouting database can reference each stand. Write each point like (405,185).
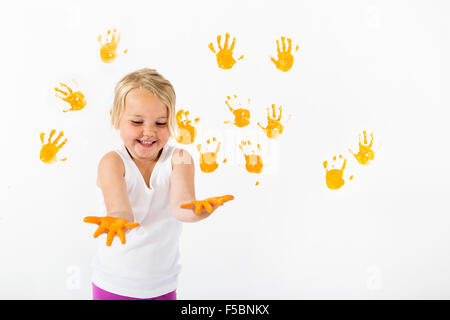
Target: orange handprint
(112,225)
(209,204)
(274,126)
(50,149)
(241,115)
(285,58)
(108,48)
(334,177)
(75,99)
(253,161)
(365,153)
(187,132)
(208,160)
(224,57)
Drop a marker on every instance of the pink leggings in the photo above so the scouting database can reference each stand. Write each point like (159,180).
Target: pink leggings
(100,294)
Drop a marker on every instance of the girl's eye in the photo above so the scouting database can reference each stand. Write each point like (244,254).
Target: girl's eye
(157,123)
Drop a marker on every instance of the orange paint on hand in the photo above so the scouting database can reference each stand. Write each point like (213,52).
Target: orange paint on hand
(241,115)
(274,126)
(253,161)
(75,99)
(333,177)
(224,57)
(365,153)
(209,204)
(108,48)
(113,226)
(208,160)
(285,58)
(187,132)
(50,149)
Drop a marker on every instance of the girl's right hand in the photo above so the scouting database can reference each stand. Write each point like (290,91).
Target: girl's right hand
(111,225)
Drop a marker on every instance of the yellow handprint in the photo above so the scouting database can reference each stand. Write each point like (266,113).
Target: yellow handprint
(108,48)
(333,177)
(50,149)
(365,153)
(208,160)
(241,115)
(274,126)
(253,161)
(224,57)
(187,132)
(285,58)
(75,99)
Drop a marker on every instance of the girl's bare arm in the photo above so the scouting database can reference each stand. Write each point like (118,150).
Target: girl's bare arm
(182,187)
(110,179)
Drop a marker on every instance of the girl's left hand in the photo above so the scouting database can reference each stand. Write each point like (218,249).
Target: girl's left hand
(210,204)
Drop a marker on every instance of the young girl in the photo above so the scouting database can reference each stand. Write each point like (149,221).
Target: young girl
(148,190)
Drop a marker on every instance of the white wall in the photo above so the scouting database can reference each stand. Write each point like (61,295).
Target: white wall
(375,65)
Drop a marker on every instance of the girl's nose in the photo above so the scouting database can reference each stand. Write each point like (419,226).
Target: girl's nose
(148,131)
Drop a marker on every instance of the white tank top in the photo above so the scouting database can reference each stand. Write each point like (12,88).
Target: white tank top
(147,265)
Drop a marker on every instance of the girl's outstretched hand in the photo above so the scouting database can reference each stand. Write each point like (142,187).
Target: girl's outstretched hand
(111,225)
(210,204)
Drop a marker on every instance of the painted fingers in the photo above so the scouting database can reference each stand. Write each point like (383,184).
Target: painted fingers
(209,204)
(113,226)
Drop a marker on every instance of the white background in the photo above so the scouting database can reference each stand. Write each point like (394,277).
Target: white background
(381,66)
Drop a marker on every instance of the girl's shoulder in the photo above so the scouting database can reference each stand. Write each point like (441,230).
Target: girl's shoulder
(111,161)
(111,156)
(181,156)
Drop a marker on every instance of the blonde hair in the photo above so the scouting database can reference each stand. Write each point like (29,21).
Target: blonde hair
(151,80)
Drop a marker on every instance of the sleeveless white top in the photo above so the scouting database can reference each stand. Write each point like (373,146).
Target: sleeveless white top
(146,266)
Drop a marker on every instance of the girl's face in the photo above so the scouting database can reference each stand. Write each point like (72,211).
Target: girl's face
(144,125)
